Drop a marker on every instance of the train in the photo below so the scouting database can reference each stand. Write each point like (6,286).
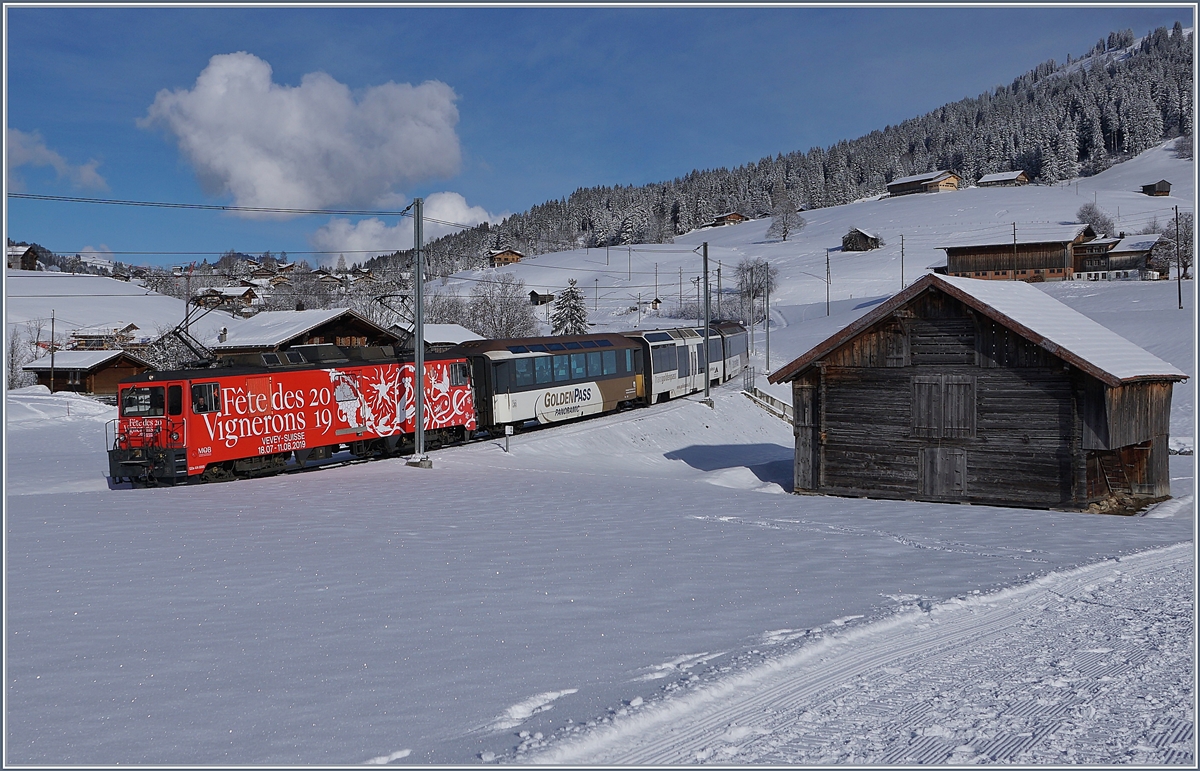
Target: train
(261,414)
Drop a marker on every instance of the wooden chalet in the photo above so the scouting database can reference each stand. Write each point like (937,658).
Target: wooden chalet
(1111,259)
(22,258)
(929,182)
(859,240)
(1032,253)
(103,337)
(728,218)
(960,390)
(1161,187)
(537,298)
(1004,179)
(273,331)
(500,257)
(87,372)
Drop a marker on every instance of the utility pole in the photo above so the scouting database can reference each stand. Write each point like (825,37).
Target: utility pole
(656,281)
(419,458)
(719,290)
(707,321)
(1014,267)
(902,263)
(629,274)
(681,288)
(827,281)
(767,310)
(52,347)
(1178,261)
(606,252)
(596,298)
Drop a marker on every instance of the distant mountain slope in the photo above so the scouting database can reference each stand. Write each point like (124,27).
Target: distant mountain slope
(1055,122)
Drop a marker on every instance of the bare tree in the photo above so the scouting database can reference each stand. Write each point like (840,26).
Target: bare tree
(500,308)
(1164,256)
(21,351)
(1099,219)
(755,278)
(785,218)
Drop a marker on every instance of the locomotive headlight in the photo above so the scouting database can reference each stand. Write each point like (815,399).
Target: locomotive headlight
(121,438)
(174,436)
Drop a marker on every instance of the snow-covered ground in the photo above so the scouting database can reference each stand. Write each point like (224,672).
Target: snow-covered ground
(636,588)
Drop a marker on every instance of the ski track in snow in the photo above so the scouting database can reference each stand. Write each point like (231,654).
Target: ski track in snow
(1080,666)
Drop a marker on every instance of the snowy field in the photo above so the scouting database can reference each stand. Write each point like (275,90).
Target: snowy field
(636,588)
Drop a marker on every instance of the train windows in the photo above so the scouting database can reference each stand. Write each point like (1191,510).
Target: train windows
(524,371)
(271,359)
(610,362)
(573,346)
(142,402)
(518,349)
(538,348)
(579,366)
(458,373)
(685,364)
(206,397)
(629,361)
(588,343)
(294,357)
(594,367)
(664,359)
(542,371)
(175,400)
(555,346)
(604,343)
(562,368)
(657,337)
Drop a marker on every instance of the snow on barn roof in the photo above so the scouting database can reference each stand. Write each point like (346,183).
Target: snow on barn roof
(1000,176)
(926,177)
(1028,234)
(1029,312)
(271,328)
(865,233)
(82,360)
(1139,243)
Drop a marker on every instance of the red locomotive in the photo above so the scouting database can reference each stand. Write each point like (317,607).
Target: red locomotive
(308,403)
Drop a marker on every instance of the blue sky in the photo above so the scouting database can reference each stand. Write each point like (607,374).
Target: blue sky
(526,104)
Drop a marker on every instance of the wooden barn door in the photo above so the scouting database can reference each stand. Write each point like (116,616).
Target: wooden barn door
(805,427)
(943,472)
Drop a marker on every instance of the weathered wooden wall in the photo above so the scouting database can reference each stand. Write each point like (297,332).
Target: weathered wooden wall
(1005,257)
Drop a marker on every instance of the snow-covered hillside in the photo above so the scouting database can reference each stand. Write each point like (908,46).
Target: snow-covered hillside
(634,588)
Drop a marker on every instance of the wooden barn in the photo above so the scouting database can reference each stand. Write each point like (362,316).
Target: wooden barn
(87,372)
(959,390)
(1108,259)
(1161,187)
(929,182)
(1004,179)
(859,240)
(728,218)
(1028,253)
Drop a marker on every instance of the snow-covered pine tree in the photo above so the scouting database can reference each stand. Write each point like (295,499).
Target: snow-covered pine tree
(570,312)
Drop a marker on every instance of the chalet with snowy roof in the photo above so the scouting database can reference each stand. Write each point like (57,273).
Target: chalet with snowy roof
(116,334)
(859,240)
(929,182)
(1034,252)
(22,258)
(728,218)
(1161,187)
(226,296)
(274,331)
(1120,258)
(969,391)
(1004,179)
(501,257)
(86,372)
(537,298)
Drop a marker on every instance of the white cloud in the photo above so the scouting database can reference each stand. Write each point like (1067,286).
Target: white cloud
(29,149)
(316,145)
(368,237)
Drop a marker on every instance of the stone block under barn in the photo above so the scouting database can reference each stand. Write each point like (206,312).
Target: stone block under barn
(963,390)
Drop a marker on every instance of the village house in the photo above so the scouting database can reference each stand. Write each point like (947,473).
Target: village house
(1120,258)
(501,257)
(929,182)
(86,372)
(859,240)
(1161,187)
(961,390)
(100,337)
(1004,179)
(728,218)
(537,298)
(276,331)
(22,258)
(1030,253)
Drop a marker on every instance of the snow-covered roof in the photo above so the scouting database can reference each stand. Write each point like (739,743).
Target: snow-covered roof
(107,328)
(1029,312)
(928,176)
(443,333)
(865,233)
(1140,243)
(1000,176)
(83,360)
(1026,234)
(271,328)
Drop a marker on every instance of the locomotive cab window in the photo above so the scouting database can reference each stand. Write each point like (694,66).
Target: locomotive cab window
(142,402)
(206,397)
(175,400)
(458,374)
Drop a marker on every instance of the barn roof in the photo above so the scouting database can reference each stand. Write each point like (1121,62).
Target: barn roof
(1139,243)
(81,360)
(928,176)
(1029,234)
(271,328)
(1029,312)
(1000,176)
(865,233)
